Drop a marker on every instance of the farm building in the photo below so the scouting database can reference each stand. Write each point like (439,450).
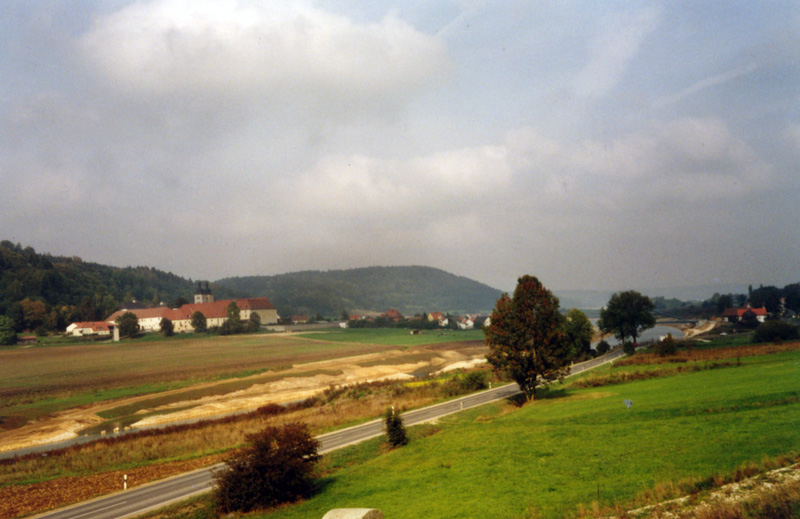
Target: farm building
(735,315)
(89,328)
(215,312)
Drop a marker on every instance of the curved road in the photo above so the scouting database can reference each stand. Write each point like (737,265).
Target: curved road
(161,493)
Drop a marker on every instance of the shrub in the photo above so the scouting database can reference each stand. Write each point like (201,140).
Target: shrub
(395,430)
(774,331)
(277,467)
(463,384)
(667,346)
(603,347)
(629,348)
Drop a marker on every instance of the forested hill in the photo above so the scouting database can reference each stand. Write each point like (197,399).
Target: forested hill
(42,289)
(408,289)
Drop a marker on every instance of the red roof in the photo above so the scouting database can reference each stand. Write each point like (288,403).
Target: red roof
(217,309)
(93,325)
(393,314)
(255,303)
(739,312)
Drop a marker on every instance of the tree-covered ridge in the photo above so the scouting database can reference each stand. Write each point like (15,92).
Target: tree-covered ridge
(42,290)
(59,280)
(411,290)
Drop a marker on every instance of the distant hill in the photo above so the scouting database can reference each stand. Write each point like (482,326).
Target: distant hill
(410,290)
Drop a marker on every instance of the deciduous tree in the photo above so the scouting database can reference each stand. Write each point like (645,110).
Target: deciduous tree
(277,467)
(167,328)
(233,324)
(525,337)
(199,322)
(254,322)
(8,335)
(627,315)
(128,324)
(578,332)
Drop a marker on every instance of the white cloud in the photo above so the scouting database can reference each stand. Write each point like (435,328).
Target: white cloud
(275,52)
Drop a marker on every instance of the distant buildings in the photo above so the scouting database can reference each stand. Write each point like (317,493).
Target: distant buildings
(215,312)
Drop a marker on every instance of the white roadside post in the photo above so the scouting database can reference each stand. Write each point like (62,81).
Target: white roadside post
(125,482)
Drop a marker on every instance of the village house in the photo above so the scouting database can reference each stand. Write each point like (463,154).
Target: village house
(393,315)
(89,328)
(735,315)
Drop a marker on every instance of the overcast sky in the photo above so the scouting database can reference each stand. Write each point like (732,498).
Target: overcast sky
(596,145)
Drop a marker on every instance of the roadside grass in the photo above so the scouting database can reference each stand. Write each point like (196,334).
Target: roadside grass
(556,455)
(395,336)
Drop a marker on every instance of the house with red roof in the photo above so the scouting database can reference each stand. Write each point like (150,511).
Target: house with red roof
(89,328)
(393,315)
(735,315)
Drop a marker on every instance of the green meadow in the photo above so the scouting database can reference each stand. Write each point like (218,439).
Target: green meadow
(395,336)
(549,458)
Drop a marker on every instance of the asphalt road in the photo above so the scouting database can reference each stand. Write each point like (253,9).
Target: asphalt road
(155,495)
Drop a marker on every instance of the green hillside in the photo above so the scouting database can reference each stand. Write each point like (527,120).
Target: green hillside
(52,291)
(410,290)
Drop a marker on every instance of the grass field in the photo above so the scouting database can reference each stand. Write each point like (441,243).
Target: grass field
(556,455)
(395,336)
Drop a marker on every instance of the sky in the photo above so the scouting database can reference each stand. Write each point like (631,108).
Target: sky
(595,145)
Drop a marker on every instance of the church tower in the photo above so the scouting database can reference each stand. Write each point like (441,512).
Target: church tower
(203,293)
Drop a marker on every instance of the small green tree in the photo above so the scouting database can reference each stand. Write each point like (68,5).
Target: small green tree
(277,467)
(254,322)
(603,347)
(199,322)
(233,324)
(128,324)
(627,315)
(8,335)
(395,430)
(578,331)
(167,328)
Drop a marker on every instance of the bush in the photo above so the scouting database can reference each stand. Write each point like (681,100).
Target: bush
(395,430)
(603,347)
(775,331)
(629,348)
(667,346)
(277,467)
